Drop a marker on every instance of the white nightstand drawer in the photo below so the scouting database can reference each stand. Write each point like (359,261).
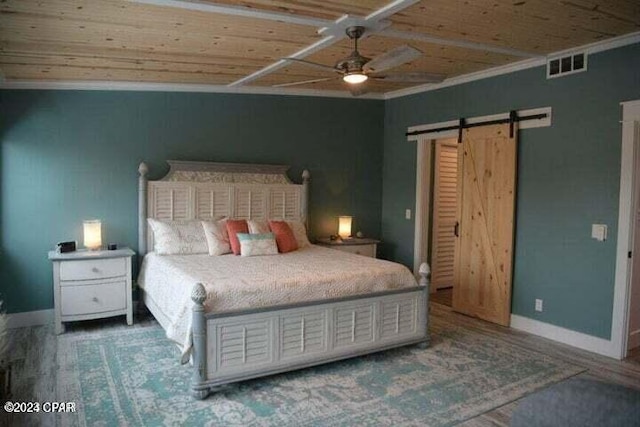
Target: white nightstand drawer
(88,299)
(365,250)
(93,269)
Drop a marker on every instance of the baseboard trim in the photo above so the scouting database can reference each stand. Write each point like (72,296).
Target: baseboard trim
(30,318)
(565,336)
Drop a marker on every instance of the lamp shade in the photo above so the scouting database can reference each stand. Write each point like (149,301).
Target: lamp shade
(92,234)
(344,226)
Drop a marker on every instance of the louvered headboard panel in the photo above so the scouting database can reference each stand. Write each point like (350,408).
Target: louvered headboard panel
(199,190)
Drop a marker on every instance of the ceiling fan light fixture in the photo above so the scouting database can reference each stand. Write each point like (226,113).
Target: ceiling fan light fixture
(355,78)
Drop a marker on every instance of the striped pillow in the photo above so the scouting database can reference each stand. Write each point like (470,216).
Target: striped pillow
(257,244)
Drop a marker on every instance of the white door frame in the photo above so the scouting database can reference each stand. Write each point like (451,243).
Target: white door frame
(628,177)
(423,198)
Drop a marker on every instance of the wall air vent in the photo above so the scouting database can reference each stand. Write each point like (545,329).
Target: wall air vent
(566,64)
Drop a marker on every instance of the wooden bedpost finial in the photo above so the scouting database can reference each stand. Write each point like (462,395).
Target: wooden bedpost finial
(143,169)
(424,272)
(306,175)
(198,294)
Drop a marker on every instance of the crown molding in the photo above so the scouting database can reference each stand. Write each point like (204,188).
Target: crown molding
(177,87)
(466,78)
(613,43)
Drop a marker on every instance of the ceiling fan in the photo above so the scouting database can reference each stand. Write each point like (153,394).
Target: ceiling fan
(357,69)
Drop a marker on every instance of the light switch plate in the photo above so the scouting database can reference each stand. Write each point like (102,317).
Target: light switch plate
(407,214)
(599,232)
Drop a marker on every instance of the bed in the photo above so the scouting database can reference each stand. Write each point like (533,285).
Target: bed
(238,318)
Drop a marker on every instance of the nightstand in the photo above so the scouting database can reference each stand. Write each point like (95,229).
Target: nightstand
(364,246)
(91,285)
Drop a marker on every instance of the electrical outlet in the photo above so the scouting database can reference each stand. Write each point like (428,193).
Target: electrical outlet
(538,305)
(407,214)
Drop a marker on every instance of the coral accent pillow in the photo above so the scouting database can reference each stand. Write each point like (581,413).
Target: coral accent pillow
(235,226)
(285,239)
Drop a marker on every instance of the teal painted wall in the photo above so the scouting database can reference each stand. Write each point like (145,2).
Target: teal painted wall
(568,178)
(69,156)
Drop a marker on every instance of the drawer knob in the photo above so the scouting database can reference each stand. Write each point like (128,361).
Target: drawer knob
(95,270)
(95,299)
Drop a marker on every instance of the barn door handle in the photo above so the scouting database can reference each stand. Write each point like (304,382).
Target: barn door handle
(456,229)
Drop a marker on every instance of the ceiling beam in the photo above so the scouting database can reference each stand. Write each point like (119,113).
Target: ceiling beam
(243,11)
(390,9)
(319,45)
(407,35)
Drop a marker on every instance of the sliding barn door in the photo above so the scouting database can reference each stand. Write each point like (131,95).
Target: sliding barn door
(444,214)
(486,207)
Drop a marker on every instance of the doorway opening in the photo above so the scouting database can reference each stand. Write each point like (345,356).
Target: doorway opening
(444,225)
(625,328)
(633,330)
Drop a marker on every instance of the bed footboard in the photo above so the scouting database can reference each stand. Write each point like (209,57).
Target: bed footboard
(235,346)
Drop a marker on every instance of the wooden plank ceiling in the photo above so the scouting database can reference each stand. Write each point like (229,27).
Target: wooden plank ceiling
(115,40)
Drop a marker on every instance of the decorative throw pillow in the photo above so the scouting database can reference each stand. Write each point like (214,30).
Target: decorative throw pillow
(258,227)
(300,232)
(217,237)
(235,226)
(257,244)
(285,239)
(178,237)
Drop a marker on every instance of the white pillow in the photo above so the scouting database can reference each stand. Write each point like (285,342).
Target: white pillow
(258,227)
(300,233)
(257,244)
(217,237)
(178,237)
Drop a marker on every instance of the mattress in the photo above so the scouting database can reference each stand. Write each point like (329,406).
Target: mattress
(235,282)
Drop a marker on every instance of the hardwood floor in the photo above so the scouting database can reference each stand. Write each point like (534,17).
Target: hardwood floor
(35,360)
(634,355)
(443,296)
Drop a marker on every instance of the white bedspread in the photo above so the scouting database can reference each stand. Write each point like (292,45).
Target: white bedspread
(234,282)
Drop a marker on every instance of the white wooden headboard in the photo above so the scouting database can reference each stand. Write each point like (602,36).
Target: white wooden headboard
(206,190)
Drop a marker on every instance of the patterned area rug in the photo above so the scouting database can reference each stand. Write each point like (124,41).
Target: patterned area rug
(132,377)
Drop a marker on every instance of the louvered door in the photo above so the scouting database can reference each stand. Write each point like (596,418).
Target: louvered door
(444,214)
(486,207)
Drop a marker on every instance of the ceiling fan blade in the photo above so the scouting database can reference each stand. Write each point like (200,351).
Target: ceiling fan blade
(417,77)
(304,82)
(393,58)
(311,64)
